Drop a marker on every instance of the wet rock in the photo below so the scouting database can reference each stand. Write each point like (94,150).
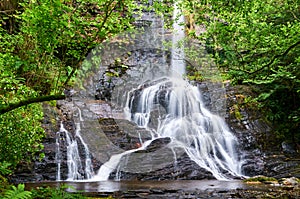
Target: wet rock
(253,163)
(289,181)
(281,166)
(288,148)
(182,168)
(123,133)
(155,145)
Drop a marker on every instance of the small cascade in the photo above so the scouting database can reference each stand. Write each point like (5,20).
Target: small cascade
(77,168)
(73,158)
(107,168)
(58,154)
(88,169)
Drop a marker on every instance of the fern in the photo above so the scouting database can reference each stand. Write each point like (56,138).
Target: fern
(17,193)
(4,168)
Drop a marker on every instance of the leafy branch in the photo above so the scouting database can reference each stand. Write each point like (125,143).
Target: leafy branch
(275,57)
(270,62)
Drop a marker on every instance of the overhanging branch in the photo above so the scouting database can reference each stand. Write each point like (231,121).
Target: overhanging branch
(275,57)
(25,102)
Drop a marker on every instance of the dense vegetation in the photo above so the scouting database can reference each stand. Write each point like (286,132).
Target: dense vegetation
(257,43)
(43,43)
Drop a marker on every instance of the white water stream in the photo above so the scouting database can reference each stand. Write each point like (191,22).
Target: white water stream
(76,169)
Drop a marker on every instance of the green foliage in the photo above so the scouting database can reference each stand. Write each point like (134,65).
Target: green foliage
(53,38)
(4,170)
(21,130)
(42,46)
(257,43)
(21,134)
(17,193)
(58,35)
(61,192)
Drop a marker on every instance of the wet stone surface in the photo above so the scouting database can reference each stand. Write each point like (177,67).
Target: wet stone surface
(182,169)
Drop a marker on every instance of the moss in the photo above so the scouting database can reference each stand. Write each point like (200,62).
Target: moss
(260,179)
(236,111)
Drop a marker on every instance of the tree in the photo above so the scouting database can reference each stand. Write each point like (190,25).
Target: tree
(257,43)
(42,45)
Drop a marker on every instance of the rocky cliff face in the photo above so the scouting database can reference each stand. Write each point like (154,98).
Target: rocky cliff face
(265,154)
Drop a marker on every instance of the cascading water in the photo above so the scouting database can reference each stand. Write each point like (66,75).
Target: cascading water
(76,169)
(203,135)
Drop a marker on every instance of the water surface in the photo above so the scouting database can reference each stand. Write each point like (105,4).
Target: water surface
(113,186)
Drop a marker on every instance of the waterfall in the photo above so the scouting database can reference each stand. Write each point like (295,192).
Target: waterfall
(181,116)
(58,154)
(168,107)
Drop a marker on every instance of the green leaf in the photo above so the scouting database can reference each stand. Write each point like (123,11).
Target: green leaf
(17,193)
